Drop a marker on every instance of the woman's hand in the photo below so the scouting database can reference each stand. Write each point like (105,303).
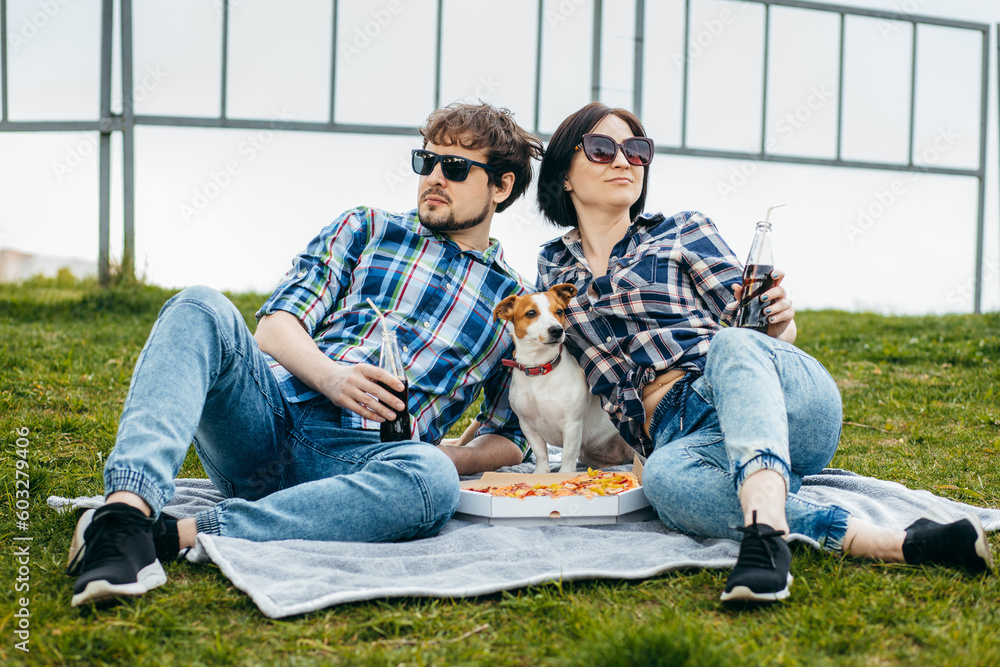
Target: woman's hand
(778,309)
(467,436)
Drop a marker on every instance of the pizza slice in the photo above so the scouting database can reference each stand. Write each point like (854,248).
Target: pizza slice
(589,484)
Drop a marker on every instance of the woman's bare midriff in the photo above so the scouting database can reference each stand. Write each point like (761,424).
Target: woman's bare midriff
(656,390)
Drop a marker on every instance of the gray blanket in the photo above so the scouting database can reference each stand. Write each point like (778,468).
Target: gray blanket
(290,577)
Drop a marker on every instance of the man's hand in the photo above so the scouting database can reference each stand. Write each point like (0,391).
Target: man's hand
(353,387)
(356,387)
(778,309)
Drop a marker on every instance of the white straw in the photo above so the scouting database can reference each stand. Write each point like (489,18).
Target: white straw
(385,325)
(767,218)
(385,330)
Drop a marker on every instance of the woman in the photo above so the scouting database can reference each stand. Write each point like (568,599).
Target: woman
(731,419)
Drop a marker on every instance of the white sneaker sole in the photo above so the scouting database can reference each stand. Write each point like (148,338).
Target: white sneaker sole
(744,594)
(982,544)
(78,546)
(147,579)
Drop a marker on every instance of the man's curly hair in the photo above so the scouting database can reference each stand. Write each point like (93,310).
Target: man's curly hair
(508,146)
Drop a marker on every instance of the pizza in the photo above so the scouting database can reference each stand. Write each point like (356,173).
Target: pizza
(591,483)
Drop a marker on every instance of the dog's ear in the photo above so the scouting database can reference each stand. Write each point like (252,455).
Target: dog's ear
(564,292)
(505,309)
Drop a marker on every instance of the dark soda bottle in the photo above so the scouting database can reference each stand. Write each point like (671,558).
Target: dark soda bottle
(757,280)
(391,361)
(399,428)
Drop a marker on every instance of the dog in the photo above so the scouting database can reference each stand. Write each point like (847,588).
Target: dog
(549,391)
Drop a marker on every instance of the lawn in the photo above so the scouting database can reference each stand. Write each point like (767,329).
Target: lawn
(920,408)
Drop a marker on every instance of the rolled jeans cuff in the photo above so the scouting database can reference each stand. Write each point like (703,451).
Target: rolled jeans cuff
(134,481)
(836,531)
(760,462)
(209,522)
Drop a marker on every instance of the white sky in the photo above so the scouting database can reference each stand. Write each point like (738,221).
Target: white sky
(229,208)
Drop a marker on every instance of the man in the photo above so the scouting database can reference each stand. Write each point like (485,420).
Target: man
(286,421)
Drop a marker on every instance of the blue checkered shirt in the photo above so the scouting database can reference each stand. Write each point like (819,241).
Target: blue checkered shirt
(667,290)
(438,298)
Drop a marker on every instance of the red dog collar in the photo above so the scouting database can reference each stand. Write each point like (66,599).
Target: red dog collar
(535,370)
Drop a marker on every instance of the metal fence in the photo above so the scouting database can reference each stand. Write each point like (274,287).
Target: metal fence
(125,122)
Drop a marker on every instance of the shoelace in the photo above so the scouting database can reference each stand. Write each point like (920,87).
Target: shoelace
(757,552)
(109,536)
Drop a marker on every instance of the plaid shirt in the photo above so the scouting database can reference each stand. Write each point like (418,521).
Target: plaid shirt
(438,298)
(667,289)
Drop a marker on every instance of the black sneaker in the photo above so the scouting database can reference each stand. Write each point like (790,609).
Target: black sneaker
(117,555)
(761,572)
(960,544)
(165,538)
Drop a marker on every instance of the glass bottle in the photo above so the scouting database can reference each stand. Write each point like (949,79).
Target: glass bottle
(757,280)
(390,360)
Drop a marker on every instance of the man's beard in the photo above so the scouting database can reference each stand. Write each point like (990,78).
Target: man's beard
(448,223)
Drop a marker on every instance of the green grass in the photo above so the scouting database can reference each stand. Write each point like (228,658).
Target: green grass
(921,403)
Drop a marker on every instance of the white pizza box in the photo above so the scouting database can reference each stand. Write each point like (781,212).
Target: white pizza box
(481,507)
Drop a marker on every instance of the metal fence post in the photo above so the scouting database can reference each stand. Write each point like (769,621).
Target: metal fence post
(128,142)
(105,127)
(639,57)
(595,56)
(3,61)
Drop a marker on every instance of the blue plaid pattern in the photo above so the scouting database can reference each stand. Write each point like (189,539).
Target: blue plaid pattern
(438,298)
(667,291)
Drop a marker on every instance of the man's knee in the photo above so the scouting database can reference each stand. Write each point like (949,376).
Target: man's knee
(200,295)
(444,483)
(438,479)
(203,303)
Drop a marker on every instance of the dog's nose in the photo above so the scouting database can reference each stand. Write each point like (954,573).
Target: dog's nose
(555,332)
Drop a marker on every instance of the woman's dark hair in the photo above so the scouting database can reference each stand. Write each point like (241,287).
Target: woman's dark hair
(553,201)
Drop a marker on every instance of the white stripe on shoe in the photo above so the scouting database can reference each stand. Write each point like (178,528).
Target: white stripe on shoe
(744,593)
(147,579)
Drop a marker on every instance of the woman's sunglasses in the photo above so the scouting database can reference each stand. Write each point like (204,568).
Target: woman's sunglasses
(453,167)
(602,149)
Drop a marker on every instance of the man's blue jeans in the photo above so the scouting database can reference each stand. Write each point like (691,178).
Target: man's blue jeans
(761,404)
(289,470)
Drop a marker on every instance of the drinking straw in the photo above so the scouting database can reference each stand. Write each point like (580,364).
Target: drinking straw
(385,330)
(767,218)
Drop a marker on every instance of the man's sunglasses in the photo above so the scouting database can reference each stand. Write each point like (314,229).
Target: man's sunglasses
(453,167)
(603,149)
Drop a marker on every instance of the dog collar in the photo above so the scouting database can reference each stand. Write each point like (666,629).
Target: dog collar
(535,370)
